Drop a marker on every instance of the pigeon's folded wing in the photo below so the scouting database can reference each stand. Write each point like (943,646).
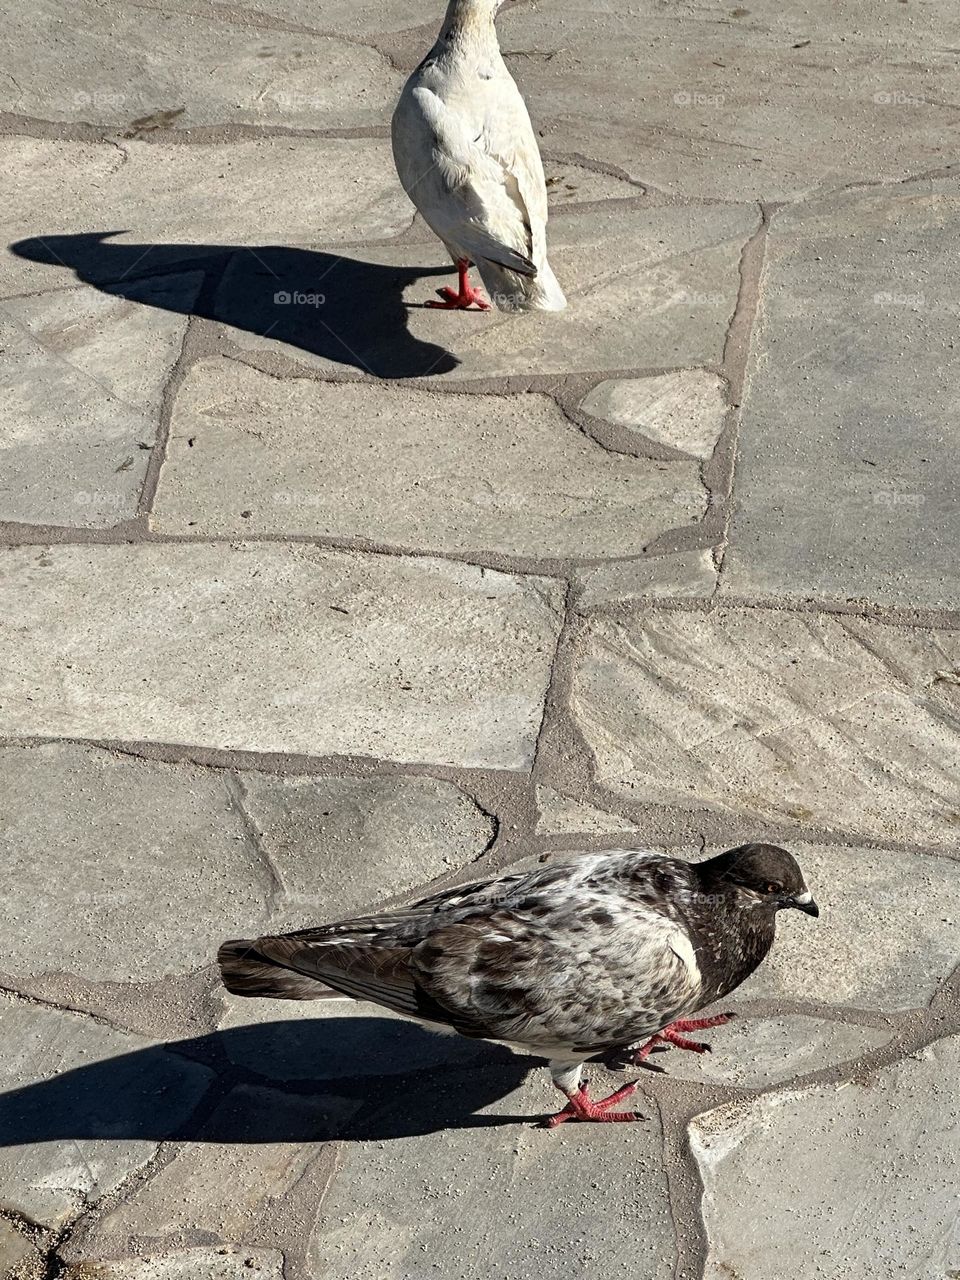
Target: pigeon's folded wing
(467,195)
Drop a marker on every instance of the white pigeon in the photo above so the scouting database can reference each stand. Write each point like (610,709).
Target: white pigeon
(467,157)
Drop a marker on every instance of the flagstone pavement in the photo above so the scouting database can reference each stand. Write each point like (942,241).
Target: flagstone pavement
(314,598)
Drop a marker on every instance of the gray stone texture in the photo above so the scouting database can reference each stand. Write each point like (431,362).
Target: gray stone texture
(81,384)
(847,475)
(337,845)
(827,720)
(850,1179)
(710,100)
(224,1263)
(689,574)
(337,1039)
(107,211)
(106,69)
(80,1109)
(222,1184)
(407,468)
(118,869)
(655,284)
(276,648)
(492,1201)
(684,410)
(755,1053)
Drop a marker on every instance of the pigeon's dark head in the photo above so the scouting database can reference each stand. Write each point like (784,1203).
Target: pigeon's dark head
(766,876)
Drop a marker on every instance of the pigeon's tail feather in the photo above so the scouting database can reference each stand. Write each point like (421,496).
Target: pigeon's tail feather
(510,291)
(247,971)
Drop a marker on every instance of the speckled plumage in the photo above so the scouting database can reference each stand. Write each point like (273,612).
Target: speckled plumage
(584,955)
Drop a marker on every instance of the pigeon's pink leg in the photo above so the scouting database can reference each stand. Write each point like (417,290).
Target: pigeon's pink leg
(580,1106)
(466,295)
(673,1035)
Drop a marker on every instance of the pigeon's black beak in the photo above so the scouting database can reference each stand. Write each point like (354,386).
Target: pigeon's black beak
(805,902)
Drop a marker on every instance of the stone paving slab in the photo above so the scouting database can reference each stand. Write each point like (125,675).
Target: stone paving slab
(743,102)
(79,1108)
(222,1184)
(82,379)
(848,472)
(274,648)
(338,1039)
(255,454)
(684,410)
(562,815)
(756,1053)
(784,717)
(335,844)
(143,867)
(498,1197)
(656,285)
(163,203)
(690,574)
(187,1264)
(802,1183)
(105,70)
(887,938)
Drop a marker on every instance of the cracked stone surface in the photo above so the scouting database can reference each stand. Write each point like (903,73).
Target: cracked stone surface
(229,1175)
(108,72)
(510,1200)
(848,471)
(784,717)
(657,285)
(161,203)
(562,815)
(82,381)
(407,468)
(826,1205)
(301,650)
(315,600)
(142,865)
(336,843)
(682,573)
(186,1264)
(755,1053)
(737,102)
(684,410)
(80,1109)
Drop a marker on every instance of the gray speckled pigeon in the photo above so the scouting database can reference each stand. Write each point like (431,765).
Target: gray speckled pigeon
(592,954)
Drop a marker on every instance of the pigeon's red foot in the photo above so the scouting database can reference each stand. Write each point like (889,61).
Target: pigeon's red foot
(463,297)
(582,1107)
(673,1035)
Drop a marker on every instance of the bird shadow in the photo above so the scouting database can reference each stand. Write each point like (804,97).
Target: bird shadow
(329,305)
(372,1078)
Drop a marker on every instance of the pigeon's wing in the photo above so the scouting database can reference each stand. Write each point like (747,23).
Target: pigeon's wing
(573,975)
(508,137)
(465,192)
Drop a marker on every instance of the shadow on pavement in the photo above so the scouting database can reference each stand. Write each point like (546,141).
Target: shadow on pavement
(145,1094)
(337,307)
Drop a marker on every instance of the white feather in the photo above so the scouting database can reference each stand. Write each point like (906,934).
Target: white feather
(467,157)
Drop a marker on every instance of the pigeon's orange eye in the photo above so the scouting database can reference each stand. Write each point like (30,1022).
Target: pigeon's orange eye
(771,888)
